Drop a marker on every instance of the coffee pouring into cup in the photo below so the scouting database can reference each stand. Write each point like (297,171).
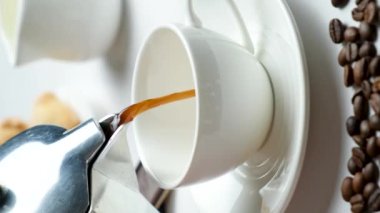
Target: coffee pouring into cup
(201,138)
(64,29)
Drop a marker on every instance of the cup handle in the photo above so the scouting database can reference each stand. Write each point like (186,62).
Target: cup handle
(247,41)
(194,21)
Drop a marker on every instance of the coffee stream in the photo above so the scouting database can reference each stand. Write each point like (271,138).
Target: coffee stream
(134,110)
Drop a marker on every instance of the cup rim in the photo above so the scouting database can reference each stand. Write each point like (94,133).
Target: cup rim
(12,52)
(176,30)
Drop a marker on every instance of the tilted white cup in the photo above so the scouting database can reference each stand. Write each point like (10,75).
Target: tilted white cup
(197,139)
(60,29)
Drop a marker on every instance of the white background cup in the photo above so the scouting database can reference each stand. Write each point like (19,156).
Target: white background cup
(200,138)
(60,29)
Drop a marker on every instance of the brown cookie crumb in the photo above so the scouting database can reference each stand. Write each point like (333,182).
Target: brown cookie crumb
(48,109)
(11,127)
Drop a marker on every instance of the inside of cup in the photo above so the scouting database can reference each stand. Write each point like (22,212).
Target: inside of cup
(8,19)
(165,136)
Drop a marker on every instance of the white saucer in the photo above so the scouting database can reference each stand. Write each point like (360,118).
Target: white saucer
(272,173)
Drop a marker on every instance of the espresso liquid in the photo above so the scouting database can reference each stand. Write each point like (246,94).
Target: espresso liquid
(134,110)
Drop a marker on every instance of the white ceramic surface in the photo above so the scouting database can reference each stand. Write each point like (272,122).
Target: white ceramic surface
(61,29)
(201,138)
(273,170)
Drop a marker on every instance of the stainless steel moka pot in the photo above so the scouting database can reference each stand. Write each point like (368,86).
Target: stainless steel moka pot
(85,169)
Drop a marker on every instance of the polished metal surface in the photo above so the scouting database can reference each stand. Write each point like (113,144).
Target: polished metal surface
(114,186)
(45,168)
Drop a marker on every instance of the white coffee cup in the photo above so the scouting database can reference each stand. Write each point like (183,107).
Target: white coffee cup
(200,138)
(59,29)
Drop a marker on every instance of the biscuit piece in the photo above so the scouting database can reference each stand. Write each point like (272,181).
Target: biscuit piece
(10,128)
(48,109)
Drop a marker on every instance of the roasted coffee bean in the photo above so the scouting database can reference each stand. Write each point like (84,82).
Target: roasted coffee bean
(374,122)
(374,66)
(367,31)
(365,129)
(351,34)
(372,148)
(342,57)
(370,13)
(367,89)
(352,165)
(371,172)
(357,15)
(348,76)
(360,141)
(367,49)
(357,203)
(346,189)
(361,107)
(376,85)
(374,201)
(339,3)
(352,52)
(353,125)
(360,71)
(359,163)
(336,29)
(359,153)
(358,182)
(375,103)
(363,4)
(369,189)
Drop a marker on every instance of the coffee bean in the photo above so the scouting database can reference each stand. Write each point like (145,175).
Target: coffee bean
(361,107)
(358,163)
(358,182)
(363,4)
(352,52)
(374,66)
(373,201)
(372,148)
(352,166)
(360,141)
(348,76)
(374,122)
(359,153)
(365,129)
(342,57)
(369,189)
(353,126)
(367,89)
(336,29)
(351,34)
(357,15)
(367,49)
(371,172)
(375,103)
(376,85)
(357,203)
(367,31)
(339,3)
(360,71)
(370,13)
(346,189)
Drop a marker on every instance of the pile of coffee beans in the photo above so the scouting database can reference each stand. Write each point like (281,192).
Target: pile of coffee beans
(361,71)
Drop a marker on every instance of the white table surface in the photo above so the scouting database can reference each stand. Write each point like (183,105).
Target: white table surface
(108,78)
